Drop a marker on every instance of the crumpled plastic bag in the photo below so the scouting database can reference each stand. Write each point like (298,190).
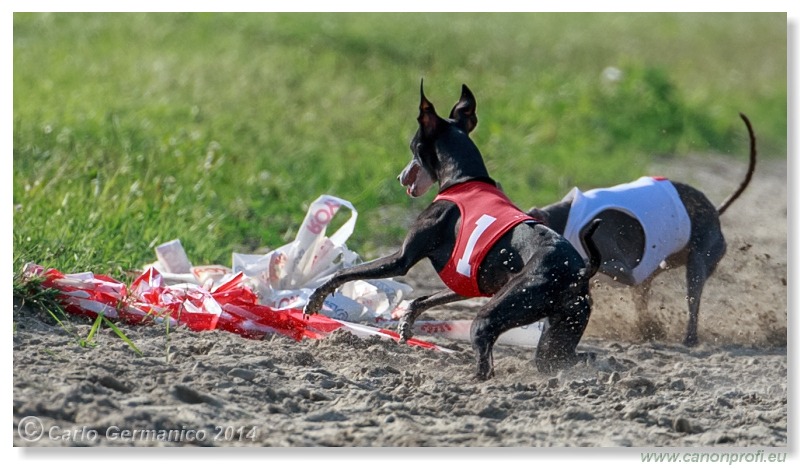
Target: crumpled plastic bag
(285,277)
(289,274)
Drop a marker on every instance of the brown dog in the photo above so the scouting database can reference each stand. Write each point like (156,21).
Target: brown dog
(647,226)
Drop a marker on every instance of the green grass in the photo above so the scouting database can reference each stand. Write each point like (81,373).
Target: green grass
(219,129)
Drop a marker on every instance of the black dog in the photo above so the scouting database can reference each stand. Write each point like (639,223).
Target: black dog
(529,271)
(690,234)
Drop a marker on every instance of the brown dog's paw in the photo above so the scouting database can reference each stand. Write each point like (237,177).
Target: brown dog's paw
(691,341)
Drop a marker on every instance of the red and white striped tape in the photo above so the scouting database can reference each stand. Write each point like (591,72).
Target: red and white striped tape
(232,306)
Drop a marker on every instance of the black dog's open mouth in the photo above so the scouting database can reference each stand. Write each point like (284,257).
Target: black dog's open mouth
(409,178)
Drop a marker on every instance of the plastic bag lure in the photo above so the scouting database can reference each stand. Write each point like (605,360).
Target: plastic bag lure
(285,277)
(261,294)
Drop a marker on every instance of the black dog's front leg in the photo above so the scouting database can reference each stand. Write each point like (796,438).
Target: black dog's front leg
(421,304)
(419,242)
(390,266)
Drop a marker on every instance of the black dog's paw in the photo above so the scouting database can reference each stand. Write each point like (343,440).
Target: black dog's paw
(586,358)
(315,301)
(404,329)
(485,372)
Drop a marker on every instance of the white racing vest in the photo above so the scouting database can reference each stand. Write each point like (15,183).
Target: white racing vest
(653,201)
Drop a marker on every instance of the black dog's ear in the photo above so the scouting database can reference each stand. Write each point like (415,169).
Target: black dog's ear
(429,122)
(463,112)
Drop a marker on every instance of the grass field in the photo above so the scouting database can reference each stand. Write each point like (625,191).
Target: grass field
(219,129)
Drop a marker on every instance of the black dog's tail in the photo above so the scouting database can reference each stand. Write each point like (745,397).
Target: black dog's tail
(590,247)
(724,206)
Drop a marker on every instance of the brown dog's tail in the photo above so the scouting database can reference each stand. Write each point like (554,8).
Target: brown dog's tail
(725,204)
(590,247)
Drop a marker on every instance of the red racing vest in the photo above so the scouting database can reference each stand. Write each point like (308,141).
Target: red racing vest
(486,215)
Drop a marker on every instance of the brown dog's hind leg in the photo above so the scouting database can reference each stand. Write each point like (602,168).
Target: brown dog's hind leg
(701,263)
(648,326)
(695,280)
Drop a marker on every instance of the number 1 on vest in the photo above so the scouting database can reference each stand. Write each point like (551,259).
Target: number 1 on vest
(463,267)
